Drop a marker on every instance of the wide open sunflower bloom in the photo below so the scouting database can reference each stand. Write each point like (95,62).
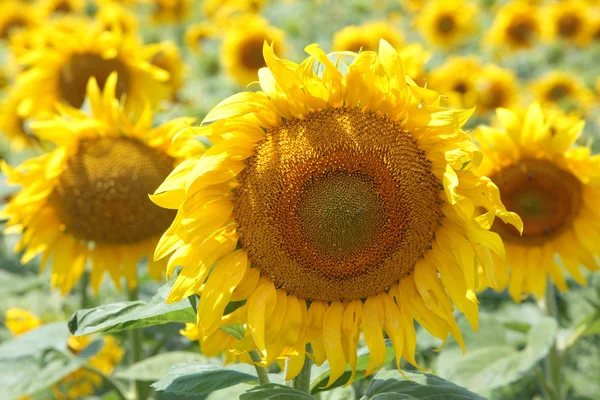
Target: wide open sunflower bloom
(88,198)
(555,189)
(330,203)
(80,382)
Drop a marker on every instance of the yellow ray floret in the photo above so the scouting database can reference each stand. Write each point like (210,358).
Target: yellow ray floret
(554,187)
(332,204)
(87,200)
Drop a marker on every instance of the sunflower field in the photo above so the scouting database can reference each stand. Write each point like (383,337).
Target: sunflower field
(300,199)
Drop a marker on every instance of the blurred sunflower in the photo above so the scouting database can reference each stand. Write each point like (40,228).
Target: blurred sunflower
(88,198)
(113,16)
(456,79)
(81,382)
(197,33)
(221,11)
(366,37)
(171,11)
(241,53)
(330,204)
(563,89)
(495,87)
(215,344)
(16,16)
(568,20)
(76,49)
(414,57)
(447,23)
(168,57)
(48,8)
(518,25)
(5,78)
(12,126)
(554,187)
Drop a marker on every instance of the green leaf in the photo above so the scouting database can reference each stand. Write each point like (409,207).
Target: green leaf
(392,385)
(237,331)
(131,314)
(157,367)
(200,379)
(53,335)
(339,393)
(322,373)
(275,391)
(491,361)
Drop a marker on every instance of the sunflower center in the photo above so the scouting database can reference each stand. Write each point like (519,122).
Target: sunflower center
(338,205)
(494,96)
(12,26)
(251,54)
(102,195)
(521,32)
(546,198)
(558,92)
(446,24)
(77,71)
(568,25)
(460,87)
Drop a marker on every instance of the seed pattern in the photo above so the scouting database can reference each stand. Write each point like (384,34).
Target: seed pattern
(338,205)
(102,195)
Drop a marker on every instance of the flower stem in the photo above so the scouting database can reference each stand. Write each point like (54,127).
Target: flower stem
(135,343)
(302,381)
(108,380)
(263,376)
(552,362)
(85,282)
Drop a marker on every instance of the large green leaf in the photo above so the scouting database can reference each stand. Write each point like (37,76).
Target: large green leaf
(275,391)
(491,361)
(322,373)
(196,379)
(54,335)
(392,385)
(131,314)
(155,368)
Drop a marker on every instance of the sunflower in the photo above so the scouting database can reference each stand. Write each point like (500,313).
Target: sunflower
(241,54)
(48,8)
(221,11)
(73,50)
(12,126)
(88,198)
(215,344)
(329,204)
(447,23)
(81,382)
(414,57)
(457,79)
(197,33)
(366,37)
(495,87)
(563,89)
(554,187)
(569,21)
(16,16)
(113,16)
(168,57)
(517,26)
(171,11)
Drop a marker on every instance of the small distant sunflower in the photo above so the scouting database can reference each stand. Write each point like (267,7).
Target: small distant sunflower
(496,87)
(16,16)
(517,26)
(73,52)
(88,198)
(329,204)
(456,79)
(113,16)
(241,54)
(555,189)
(81,382)
(221,11)
(12,126)
(568,21)
(414,57)
(197,33)
(447,23)
(171,11)
(367,37)
(562,89)
(215,344)
(168,57)
(48,8)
